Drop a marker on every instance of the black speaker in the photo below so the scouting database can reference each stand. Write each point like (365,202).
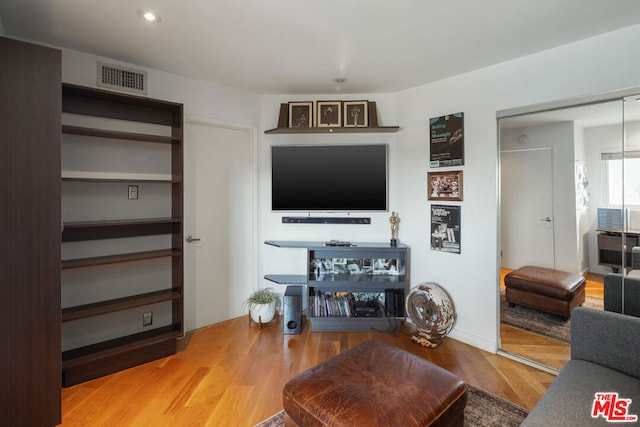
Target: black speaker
(292,308)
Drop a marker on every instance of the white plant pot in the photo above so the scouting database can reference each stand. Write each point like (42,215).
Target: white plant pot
(262,313)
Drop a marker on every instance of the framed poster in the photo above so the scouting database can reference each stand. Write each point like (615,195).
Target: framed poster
(445,228)
(445,185)
(300,114)
(356,114)
(329,114)
(446,140)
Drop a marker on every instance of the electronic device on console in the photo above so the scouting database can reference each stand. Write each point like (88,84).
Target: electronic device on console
(338,243)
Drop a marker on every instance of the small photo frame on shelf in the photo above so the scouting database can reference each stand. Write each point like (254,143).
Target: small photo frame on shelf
(301,114)
(356,114)
(329,114)
(445,185)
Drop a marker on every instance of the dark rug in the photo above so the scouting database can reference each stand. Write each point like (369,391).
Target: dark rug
(539,322)
(483,410)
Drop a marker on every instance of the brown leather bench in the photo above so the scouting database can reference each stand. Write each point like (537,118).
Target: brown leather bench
(376,384)
(545,289)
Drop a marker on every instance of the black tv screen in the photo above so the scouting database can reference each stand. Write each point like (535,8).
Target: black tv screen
(329,178)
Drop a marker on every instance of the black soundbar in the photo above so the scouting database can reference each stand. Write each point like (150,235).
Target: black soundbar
(324,220)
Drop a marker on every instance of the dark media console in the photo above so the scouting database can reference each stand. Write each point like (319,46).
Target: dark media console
(350,286)
(324,220)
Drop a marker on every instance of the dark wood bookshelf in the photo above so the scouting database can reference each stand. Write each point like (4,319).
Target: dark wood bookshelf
(81,100)
(30,117)
(112,134)
(119,304)
(111,229)
(130,180)
(88,353)
(92,361)
(103,358)
(119,258)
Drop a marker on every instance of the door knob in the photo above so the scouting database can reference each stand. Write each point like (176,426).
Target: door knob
(190,239)
(546,219)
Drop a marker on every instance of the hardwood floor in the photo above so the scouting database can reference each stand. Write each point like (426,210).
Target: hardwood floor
(232,374)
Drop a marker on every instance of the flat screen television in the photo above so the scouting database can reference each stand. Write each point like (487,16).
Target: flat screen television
(329,178)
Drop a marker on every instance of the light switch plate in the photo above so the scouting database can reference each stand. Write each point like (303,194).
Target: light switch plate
(133,192)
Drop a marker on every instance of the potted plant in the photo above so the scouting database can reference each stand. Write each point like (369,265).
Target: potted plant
(262,305)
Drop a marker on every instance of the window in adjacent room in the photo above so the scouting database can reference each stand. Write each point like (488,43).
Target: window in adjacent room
(613,185)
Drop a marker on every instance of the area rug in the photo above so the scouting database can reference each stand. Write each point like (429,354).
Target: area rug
(483,410)
(539,322)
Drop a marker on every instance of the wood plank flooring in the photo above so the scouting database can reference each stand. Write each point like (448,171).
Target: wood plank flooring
(232,374)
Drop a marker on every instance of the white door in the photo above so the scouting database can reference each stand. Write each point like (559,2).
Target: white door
(219,210)
(526,208)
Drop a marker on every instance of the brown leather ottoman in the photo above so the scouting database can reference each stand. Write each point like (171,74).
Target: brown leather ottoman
(375,384)
(545,289)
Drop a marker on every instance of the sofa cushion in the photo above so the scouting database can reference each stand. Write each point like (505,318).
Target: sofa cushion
(606,338)
(569,400)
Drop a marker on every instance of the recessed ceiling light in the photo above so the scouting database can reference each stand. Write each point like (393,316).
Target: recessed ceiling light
(149,16)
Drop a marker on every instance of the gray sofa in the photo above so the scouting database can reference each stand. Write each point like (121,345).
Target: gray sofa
(605,352)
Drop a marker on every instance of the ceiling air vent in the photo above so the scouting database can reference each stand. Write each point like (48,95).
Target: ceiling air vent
(122,78)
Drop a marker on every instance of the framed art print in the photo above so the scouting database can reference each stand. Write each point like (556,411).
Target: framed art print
(445,185)
(329,114)
(356,114)
(301,114)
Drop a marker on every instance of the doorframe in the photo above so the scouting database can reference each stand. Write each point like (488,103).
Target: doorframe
(254,256)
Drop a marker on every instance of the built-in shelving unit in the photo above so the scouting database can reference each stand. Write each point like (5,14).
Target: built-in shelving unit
(30,227)
(361,287)
(106,136)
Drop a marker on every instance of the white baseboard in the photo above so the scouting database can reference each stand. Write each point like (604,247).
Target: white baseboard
(474,340)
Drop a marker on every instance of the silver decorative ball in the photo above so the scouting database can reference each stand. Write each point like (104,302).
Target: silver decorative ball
(431,310)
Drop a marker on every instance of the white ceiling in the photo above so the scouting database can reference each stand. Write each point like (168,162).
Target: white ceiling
(300,46)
